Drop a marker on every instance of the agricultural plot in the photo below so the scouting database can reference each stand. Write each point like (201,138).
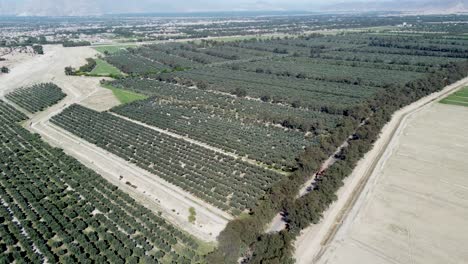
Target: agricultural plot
(112,49)
(188,52)
(184,55)
(103,68)
(325,43)
(234,53)
(389,59)
(166,58)
(431,148)
(233,107)
(458,98)
(257,141)
(37,97)
(125,96)
(324,96)
(405,51)
(53,209)
(228,183)
(307,68)
(132,64)
(272,46)
(457,49)
(266,98)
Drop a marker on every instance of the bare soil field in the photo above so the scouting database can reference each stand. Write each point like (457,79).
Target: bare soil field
(314,241)
(416,208)
(13,58)
(148,189)
(101,99)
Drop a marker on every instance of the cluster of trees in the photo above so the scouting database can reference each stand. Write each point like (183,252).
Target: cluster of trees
(418,44)
(377,75)
(30,41)
(247,233)
(324,96)
(190,52)
(216,178)
(239,108)
(89,66)
(349,98)
(245,138)
(71,43)
(5,69)
(130,63)
(37,97)
(239,92)
(67,213)
(165,55)
(38,49)
(83,70)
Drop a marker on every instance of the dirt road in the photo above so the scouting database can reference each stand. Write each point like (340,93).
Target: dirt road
(314,240)
(150,190)
(415,209)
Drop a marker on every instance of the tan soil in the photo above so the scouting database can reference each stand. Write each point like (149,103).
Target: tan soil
(313,241)
(416,208)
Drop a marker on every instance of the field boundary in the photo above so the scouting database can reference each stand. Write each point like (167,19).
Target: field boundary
(339,213)
(396,131)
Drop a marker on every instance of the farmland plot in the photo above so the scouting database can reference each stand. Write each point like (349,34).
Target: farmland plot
(244,138)
(234,53)
(37,97)
(53,209)
(315,95)
(132,64)
(458,98)
(232,106)
(218,179)
(303,67)
(188,52)
(391,59)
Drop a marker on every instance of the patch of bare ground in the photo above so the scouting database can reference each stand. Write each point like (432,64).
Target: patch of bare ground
(416,209)
(14,57)
(101,99)
(314,241)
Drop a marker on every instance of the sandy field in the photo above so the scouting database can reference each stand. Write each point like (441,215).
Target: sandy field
(416,208)
(14,58)
(150,190)
(314,241)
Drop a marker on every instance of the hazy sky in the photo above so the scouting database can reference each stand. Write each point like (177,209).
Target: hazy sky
(81,7)
(127,6)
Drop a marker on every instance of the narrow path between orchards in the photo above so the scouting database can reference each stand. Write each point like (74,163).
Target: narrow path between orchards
(278,223)
(192,141)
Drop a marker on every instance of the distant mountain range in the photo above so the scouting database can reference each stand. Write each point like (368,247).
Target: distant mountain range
(100,7)
(422,6)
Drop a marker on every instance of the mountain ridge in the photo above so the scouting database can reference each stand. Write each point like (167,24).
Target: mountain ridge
(102,7)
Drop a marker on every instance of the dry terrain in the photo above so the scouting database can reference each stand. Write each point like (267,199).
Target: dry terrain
(315,240)
(150,190)
(415,209)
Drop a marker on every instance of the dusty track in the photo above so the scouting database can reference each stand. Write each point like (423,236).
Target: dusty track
(151,191)
(414,210)
(314,240)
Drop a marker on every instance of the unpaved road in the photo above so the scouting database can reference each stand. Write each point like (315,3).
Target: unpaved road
(151,191)
(313,241)
(415,209)
(278,223)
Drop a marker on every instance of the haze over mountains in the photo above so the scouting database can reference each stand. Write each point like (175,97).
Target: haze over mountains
(426,6)
(99,7)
